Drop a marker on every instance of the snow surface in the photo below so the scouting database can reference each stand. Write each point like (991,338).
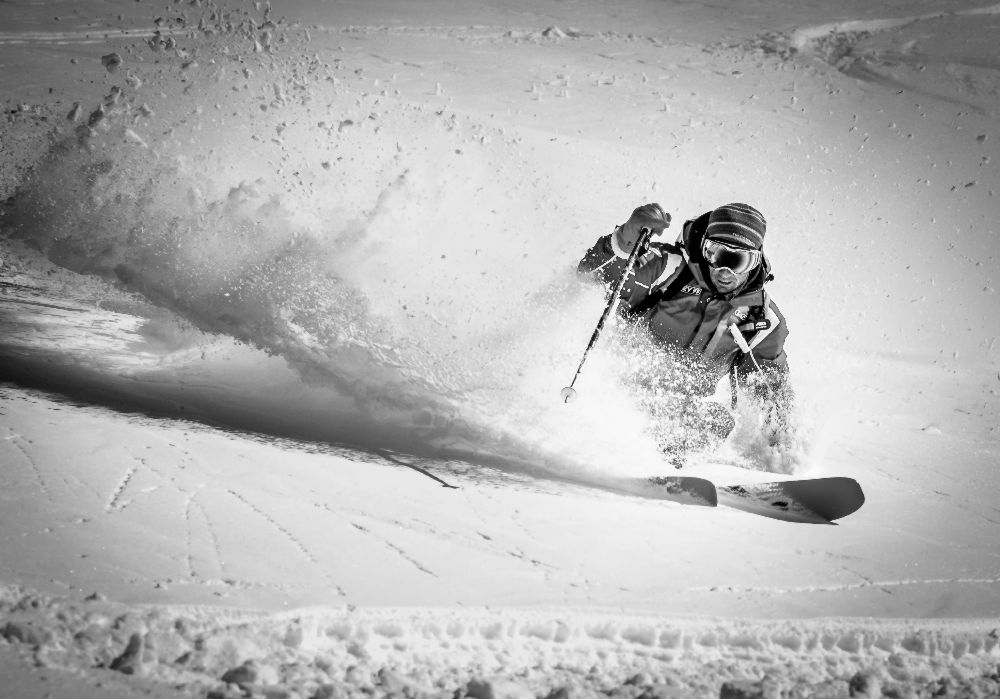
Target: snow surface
(287,298)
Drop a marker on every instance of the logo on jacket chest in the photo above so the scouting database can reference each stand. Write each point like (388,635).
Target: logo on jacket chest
(691,289)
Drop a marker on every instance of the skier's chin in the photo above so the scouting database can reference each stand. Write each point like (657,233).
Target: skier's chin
(726,282)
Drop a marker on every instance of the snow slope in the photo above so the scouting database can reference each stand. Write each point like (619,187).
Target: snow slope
(287,301)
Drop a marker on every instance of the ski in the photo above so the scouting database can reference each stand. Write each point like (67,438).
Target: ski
(807,500)
(803,500)
(687,490)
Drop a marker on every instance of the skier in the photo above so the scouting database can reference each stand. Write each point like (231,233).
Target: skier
(702,300)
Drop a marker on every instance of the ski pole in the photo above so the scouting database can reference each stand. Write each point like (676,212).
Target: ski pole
(568,394)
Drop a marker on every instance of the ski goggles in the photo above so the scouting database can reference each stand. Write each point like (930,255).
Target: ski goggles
(720,255)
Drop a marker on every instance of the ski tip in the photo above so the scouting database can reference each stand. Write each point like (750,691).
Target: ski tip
(806,501)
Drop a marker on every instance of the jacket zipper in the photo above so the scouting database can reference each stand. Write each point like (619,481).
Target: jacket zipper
(703,307)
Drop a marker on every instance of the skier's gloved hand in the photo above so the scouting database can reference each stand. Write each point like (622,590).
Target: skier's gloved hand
(651,216)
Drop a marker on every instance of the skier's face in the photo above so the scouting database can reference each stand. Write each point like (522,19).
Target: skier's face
(725,280)
(729,265)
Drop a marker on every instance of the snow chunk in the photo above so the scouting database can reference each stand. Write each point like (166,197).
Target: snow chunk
(111,62)
(130,662)
(497,689)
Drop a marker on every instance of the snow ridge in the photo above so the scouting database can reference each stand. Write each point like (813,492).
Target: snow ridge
(804,37)
(91,35)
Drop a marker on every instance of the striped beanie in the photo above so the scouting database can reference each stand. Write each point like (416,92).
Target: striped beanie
(737,224)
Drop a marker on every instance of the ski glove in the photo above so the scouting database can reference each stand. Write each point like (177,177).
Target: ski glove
(650,216)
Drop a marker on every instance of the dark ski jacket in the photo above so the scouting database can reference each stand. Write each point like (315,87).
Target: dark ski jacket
(669,290)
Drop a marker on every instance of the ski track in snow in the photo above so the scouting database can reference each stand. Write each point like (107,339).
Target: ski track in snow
(16,441)
(192,571)
(393,547)
(213,537)
(383,541)
(115,502)
(289,536)
(192,507)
